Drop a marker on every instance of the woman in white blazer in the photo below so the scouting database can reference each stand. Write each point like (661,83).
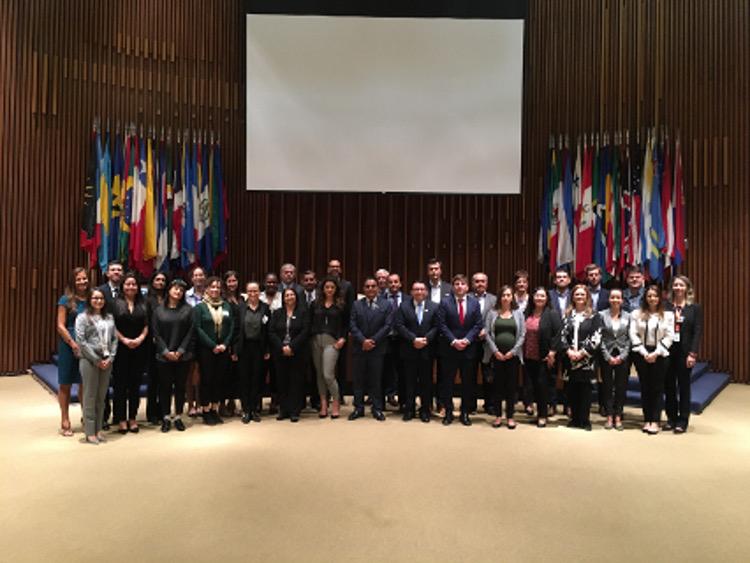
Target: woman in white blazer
(506,329)
(615,349)
(651,334)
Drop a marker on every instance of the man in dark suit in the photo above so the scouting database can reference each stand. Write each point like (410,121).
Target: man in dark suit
(112,290)
(288,277)
(460,322)
(437,289)
(308,294)
(392,367)
(370,324)
(381,276)
(310,287)
(416,324)
(334,270)
(487,302)
(559,295)
(599,295)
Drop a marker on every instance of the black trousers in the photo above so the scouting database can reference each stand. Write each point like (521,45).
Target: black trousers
(128,369)
(213,374)
(290,380)
(231,388)
(506,385)
(527,389)
(252,370)
(539,375)
(392,368)
(677,388)
(465,366)
(152,395)
(172,381)
(651,377)
(488,387)
(579,396)
(417,376)
(367,374)
(613,387)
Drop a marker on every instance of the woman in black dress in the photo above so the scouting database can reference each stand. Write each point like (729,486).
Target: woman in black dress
(155,295)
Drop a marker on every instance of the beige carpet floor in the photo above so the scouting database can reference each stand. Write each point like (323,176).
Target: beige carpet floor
(365,491)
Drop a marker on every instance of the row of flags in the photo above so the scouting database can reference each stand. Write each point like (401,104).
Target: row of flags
(614,205)
(154,204)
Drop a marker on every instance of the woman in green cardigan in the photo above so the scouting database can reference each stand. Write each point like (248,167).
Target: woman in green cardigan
(214,325)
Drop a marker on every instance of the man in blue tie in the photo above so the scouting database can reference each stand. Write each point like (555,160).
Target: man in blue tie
(370,324)
(392,366)
(460,322)
(416,324)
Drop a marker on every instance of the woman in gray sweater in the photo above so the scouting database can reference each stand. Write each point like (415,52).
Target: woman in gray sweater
(97,340)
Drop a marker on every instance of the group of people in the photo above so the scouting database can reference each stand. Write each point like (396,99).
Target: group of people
(206,346)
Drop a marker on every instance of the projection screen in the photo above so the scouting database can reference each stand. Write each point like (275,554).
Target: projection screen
(351,104)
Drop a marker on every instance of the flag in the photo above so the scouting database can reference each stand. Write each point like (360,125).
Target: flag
(636,196)
(118,166)
(178,200)
(609,211)
(88,235)
(190,194)
(545,219)
(149,211)
(104,202)
(565,218)
(219,212)
(131,173)
(647,189)
(585,241)
(678,201)
(623,207)
(162,248)
(204,229)
(656,231)
(600,240)
(667,210)
(556,174)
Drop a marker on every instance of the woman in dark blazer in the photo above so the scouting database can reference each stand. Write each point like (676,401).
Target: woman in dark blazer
(288,338)
(579,340)
(616,359)
(543,326)
(252,349)
(688,331)
(155,295)
(651,334)
(214,326)
(172,330)
(131,322)
(231,390)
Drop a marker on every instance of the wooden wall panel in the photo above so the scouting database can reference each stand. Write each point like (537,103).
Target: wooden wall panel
(590,65)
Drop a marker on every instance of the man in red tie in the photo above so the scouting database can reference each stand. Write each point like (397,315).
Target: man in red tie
(460,322)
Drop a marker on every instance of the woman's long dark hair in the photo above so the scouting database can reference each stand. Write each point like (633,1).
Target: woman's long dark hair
(338,299)
(530,306)
(152,293)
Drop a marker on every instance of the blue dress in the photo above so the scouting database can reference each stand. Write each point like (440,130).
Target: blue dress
(67,363)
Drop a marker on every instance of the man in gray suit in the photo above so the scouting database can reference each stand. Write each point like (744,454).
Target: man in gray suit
(487,302)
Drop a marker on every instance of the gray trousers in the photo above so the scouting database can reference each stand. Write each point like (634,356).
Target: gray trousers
(95,384)
(325,357)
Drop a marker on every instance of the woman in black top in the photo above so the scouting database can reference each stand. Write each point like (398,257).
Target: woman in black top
(252,349)
(688,330)
(232,388)
(579,340)
(131,324)
(288,338)
(543,326)
(157,290)
(328,334)
(172,329)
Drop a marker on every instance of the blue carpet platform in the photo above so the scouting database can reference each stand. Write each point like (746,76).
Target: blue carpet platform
(46,374)
(705,384)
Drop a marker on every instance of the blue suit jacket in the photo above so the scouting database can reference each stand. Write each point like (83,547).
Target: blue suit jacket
(408,328)
(375,323)
(451,328)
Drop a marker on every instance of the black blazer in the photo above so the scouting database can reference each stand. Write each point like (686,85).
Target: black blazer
(298,331)
(691,329)
(242,311)
(408,328)
(366,323)
(451,329)
(554,296)
(550,325)
(109,299)
(446,290)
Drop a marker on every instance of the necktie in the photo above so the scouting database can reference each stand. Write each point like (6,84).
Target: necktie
(419,313)
(309,297)
(394,297)
(461,311)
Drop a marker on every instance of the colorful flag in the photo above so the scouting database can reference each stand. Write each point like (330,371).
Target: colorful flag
(555,181)
(667,209)
(585,240)
(88,234)
(117,198)
(565,219)
(545,219)
(220,213)
(600,234)
(678,201)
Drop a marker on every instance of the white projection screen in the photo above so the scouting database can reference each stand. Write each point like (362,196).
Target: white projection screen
(356,104)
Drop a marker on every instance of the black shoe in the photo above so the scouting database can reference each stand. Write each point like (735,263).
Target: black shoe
(254,416)
(294,417)
(105,425)
(208,419)
(572,424)
(378,415)
(356,413)
(217,418)
(408,415)
(282,415)
(122,430)
(179,425)
(134,429)
(464,418)
(448,418)
(668,426)
(586,426)
(165,425)
(424,416)
(246,418)
(679,429)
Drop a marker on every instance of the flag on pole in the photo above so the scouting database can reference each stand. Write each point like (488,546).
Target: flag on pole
(678,201)
(585,241)
(220,213)
(556,174)
(565,219)
(88,236)
(117,201)
(600,234)
(545,219)
(656,232)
